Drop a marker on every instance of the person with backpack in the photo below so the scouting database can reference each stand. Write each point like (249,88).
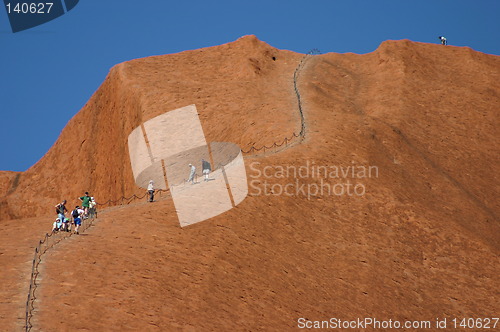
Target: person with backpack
(443,40)
(61,210)
(77,214)
(85,204)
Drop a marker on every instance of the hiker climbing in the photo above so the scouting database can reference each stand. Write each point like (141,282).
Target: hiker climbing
(443,40)
(92,208)
(192,173)
(77,218)
(65,227)
(56,226)
(151,191)
(61,210)
(85,204)
(205,166)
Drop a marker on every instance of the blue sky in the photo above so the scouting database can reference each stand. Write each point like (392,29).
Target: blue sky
(48,73)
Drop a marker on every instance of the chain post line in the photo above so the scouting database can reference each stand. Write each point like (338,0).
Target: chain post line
(302,131)
(37,258)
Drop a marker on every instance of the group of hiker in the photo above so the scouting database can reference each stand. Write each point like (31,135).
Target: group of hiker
(63,223)
(206,169)
(88,206)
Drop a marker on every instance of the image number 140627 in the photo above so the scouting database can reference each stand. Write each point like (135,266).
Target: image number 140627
(26,14)
(29,8)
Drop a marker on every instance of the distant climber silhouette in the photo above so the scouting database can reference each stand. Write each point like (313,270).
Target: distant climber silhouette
(191,173)
(443,40)
(151,191)
(205,165)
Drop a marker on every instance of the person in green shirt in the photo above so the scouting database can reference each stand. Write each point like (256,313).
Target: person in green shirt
(85,203)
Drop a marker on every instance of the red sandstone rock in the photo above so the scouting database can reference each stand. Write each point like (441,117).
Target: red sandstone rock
(422,243)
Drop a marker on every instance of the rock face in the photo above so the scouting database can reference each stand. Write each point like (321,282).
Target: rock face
(417,240)
(242,91)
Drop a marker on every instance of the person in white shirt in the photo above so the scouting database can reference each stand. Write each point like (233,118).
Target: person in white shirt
(92,208)
(77,218)
(57,225)
(192,173)
(151,191)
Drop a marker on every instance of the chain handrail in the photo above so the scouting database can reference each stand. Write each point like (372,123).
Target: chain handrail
(39,251)
(302,132)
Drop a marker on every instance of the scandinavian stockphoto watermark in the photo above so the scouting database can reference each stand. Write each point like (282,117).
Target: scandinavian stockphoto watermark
(170,152)
(310,179)
(371,323)
(204,178)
